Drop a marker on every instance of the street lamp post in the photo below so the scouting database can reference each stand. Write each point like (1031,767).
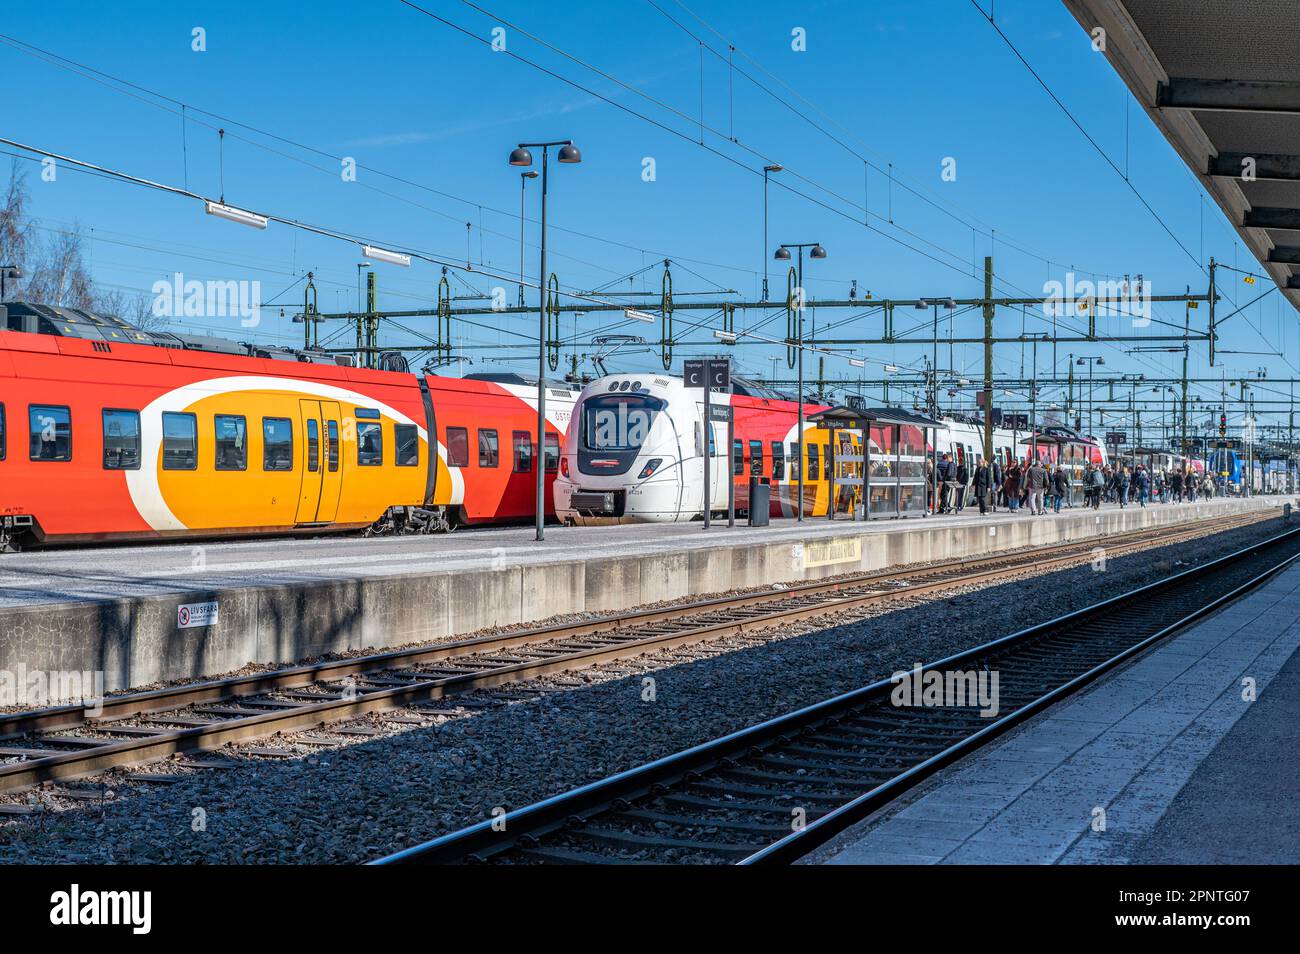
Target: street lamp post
(520,156)
(1091,362)
(1035,336)
(523,181)
(783,255)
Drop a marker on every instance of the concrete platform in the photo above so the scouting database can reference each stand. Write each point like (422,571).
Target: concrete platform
(1163,761)
(118,610)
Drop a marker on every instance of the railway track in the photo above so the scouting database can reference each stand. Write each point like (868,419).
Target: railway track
(773,792)
(135,728)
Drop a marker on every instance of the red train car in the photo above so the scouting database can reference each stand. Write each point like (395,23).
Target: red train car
(110,433)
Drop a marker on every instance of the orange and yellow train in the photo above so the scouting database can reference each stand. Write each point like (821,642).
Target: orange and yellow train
(108,433)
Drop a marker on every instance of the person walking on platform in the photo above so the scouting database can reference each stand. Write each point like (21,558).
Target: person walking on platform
(963,479)
(1098,485)
(1122,481)
(945,476)
(1036,485)
(1142,483)
(982,484)
(1176,486)
(1011,486)
(995,491)
(1060,488)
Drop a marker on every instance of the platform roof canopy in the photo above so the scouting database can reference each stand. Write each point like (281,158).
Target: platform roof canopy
(1221,80)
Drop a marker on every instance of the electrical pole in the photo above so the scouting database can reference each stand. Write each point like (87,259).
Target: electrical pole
(988,357)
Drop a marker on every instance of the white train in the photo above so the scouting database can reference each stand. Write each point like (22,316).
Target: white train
(634,452)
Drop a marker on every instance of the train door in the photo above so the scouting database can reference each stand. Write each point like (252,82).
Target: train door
(321,461)
(309,420)
(331,461)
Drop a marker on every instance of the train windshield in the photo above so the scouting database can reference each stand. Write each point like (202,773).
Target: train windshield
(618,422)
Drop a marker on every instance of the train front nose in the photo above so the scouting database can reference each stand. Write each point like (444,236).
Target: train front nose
(611,453)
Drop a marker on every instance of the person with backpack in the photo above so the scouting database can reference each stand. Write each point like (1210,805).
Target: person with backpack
(1142,484)
(1060,487)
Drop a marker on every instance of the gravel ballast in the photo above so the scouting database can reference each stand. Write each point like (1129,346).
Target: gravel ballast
(377,795)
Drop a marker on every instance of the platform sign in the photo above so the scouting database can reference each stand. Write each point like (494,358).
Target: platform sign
(720,413)
(1227,443)
(717,372)
(190,615)
(1116,438)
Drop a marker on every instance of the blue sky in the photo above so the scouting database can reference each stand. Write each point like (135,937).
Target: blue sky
(906,84)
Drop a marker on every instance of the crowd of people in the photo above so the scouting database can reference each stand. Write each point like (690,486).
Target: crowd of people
(1037,487)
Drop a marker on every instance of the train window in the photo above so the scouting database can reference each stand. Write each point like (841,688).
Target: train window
(277,443)
(332,444)
(552,453)
(778,460)
(756,458)
(488,453)
(794,460)
(737,458)
(370,444)
(121,440)
(458,447)
(180,434)
(523,444)
(3,434)
(406,438)
(232,441)
(51,427)
(814,467)
(313,445)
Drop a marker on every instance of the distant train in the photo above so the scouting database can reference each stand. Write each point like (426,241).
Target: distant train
(1229,467)
(111,433)
(635,453)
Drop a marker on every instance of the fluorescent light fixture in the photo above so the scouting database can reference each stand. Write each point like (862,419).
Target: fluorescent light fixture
(384,255)
(891,368)
(857,362)
(232,214)
(635,315)
(726,337)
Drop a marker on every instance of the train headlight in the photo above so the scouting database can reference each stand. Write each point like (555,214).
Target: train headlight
(564,467)
(650,467)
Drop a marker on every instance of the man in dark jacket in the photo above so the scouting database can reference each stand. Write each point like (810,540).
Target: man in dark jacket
(963,479)
(945,474)
(1142,484)
(1036,484)
(1060,487)
(983,484)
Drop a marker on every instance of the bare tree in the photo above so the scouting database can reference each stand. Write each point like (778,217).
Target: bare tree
(136,309)
(15,230)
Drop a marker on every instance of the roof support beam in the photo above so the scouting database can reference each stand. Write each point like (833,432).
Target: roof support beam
(1271,218)
(1285,254)
(1257,96)
(1235,165)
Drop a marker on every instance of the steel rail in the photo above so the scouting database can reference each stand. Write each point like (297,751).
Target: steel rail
(807,600)
(524,827)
